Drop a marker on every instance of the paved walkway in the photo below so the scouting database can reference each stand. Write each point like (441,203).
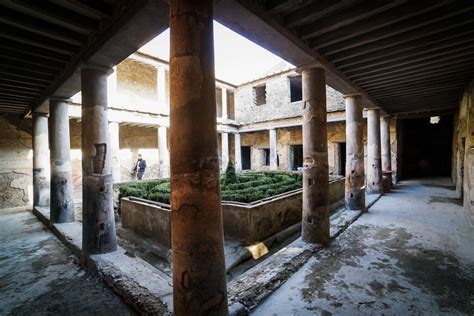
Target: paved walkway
(412,254)
(39,276)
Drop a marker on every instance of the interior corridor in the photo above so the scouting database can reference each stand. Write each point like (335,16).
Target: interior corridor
(410,254)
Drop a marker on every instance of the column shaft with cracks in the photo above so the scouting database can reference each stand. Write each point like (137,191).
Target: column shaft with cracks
(199,279)
(98,229)
(374,163)
(62,204)
(355,178)
(315,158)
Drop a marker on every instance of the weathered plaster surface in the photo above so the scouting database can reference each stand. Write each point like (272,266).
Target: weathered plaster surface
(278,103)
(463,151)
(15,165)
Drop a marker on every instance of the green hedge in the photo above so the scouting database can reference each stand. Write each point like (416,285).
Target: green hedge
(247,187)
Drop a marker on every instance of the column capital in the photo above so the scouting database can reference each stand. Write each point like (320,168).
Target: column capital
(93,66)
(60,99)
(352,95)
(39,114)
(372,108)
(310,66)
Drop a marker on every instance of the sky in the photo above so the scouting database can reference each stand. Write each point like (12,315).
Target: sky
(237,59)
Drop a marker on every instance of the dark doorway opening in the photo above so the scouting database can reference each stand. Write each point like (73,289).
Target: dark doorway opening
(296,156)
(427,147)
(342,158)
(245,152)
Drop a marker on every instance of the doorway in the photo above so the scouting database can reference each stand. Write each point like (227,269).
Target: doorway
(296,156)
(245,152)
(427,147)
(341,150)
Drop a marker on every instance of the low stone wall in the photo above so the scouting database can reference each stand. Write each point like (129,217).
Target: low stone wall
(245,222)
(148,219)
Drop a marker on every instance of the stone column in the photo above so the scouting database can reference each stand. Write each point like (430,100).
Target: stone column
(61,201)
(315,227)
(224,103)
(355,178)
(161,89)
(163,152)
(40,160)
(98,228)
(374,164)
(385,141)
(225,150)
(199,276)
(112,93)
(386,150)
(114,130)
(273,150)
(238,153)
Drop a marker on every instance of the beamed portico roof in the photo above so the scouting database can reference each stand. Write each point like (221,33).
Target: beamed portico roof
(406,56)
(43,43)
(403,56)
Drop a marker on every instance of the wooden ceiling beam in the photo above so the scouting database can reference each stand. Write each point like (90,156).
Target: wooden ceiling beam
(36,68)
(26,73)
(440,80)
(56,14)
(416,75)
(415,69)
(407,11)
(427,43)
(343,50)
(350,15)
(315,10)
(22,36)
(405,58)
(35,51)
(424,62)
(39,26)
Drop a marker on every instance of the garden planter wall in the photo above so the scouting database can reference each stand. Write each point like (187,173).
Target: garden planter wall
(246,222)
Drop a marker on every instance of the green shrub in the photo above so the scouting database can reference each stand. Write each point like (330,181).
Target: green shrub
(246,187)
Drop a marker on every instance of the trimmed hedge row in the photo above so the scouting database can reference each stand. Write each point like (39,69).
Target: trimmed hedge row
(246,188)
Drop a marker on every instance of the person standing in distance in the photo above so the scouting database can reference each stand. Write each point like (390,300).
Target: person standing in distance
(140,167)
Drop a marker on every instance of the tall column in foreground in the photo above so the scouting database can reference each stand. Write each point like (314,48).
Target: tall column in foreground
(114,130)
(374,164)
(163,152)
(315,158)
(273,150)
(225,150)
(238,152)
(355,178)
(40,160)
(199,279)
(98,228)
(61,201)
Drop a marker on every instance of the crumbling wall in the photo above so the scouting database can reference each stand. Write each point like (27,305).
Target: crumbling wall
(16,182)
(463,150)
(278,103)
(137,86)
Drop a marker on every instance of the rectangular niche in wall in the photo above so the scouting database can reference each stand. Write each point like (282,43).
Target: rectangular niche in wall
(260,95)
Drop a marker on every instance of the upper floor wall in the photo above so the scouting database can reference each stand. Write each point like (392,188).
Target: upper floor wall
(276,97)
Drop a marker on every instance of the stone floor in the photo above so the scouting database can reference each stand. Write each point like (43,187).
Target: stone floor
(411,254)
(39,276)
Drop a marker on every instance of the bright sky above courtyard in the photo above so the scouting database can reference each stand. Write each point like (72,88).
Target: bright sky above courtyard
(237,59)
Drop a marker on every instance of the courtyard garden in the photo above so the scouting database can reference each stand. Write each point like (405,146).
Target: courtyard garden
(243,187)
